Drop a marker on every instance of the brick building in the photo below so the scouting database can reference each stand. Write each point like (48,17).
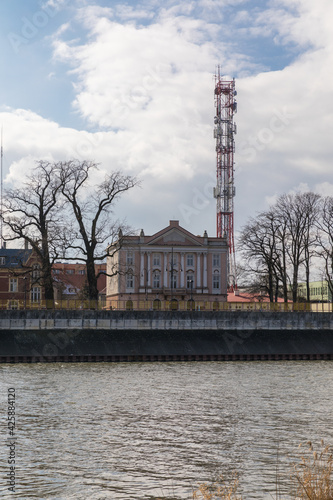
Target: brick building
(20,279)
(70,281)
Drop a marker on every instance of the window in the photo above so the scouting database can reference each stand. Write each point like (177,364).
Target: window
(129,305)
(56,271)
(129,280)
(13,284)
(13,304)
(173,281)
(69,271)
(156,280)
(174,305)
(2,261)
(129,258)
(190,260)
(156,259)
(216,281)
(190,305)
(156,305)
(36,271)
(35,294)
(190,281)
(81,271)
(216,260)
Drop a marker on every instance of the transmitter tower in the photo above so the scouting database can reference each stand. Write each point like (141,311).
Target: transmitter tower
(224,192)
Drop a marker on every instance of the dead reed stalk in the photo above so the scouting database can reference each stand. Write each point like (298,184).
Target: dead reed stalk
(313,474)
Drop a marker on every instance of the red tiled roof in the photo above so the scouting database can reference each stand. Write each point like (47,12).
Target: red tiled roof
(249,297)
(75,280)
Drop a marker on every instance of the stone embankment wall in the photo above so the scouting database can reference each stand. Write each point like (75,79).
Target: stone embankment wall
(66,336)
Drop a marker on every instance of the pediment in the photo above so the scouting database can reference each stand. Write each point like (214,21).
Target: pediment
(176,237)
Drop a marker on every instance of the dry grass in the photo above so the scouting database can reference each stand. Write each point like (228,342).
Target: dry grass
(311,479)
(218,490)
(313,474)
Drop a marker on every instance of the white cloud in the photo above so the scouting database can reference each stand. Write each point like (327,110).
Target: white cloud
(29,137)
(142,76)
(154,95)
(324,189)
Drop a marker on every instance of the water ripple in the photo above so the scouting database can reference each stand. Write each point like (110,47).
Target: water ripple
(137,431)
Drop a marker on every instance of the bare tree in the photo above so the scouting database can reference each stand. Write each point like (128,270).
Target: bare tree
(279,243)
(324,224)
(310,206)
(298,213)
(258,245)
(92,208)
(33,213)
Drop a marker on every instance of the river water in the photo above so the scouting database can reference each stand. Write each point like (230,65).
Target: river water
(144,430)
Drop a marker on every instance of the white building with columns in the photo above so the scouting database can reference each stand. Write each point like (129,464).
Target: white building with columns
(172,269)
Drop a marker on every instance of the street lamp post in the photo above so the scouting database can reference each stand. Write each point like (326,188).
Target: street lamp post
(25,292)
(144,273)
(172,270)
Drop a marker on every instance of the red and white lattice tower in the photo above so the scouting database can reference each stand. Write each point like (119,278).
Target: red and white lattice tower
(225,107)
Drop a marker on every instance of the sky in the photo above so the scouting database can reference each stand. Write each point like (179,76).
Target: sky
(131,87)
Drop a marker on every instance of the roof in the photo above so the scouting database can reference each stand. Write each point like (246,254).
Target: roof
(249,297)
(174,235)
(76,281)
(14,257)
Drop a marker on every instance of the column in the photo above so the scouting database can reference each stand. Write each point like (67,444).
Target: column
(142,270)
(198,257)
(148,268)
(182,270)
(205,270)
(165,279)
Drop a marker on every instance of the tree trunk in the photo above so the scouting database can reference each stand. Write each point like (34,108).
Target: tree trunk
(91,279)
(48,286)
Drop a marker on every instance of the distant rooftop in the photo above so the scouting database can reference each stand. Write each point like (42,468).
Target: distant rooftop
(13,257)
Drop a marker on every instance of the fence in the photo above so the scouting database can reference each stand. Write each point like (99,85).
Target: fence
(166,305)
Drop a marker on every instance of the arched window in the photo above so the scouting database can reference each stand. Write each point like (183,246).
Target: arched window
(157,305)
(156,279)
(190,305)
(174,305)
(129,305)
(215,305)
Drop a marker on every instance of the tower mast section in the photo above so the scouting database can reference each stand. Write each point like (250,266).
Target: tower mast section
(225,107)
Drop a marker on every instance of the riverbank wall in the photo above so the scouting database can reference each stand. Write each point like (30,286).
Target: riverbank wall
(119,336)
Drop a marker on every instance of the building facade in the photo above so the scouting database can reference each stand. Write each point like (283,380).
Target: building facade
(319,291)
(20,279)
(70,282)
(171,269)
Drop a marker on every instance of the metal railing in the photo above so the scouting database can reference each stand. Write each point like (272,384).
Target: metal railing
(167,305)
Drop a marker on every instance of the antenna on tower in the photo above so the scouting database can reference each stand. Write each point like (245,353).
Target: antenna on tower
(225,107)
